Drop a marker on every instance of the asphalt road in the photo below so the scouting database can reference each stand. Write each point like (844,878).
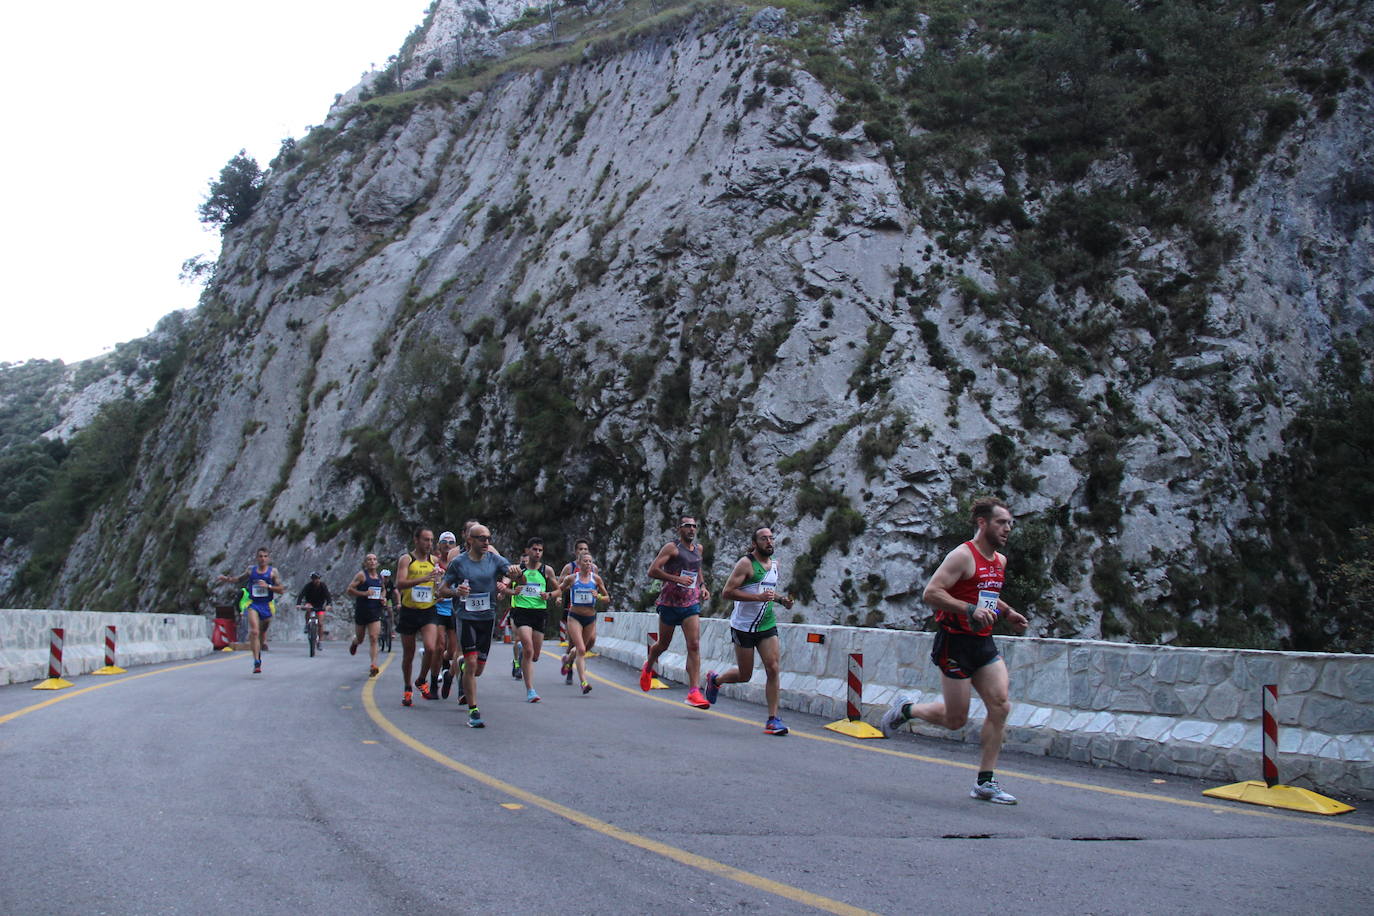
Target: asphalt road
(199,788)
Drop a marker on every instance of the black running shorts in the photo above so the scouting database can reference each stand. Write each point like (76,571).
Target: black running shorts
(412,618)
(747,639)
(476,636)
(958,655)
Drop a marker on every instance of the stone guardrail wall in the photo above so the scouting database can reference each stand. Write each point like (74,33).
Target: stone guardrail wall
(141,639)
(1192,712)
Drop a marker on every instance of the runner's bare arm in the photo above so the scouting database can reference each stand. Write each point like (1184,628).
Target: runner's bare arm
(731,591)
(656,570)
(353,586)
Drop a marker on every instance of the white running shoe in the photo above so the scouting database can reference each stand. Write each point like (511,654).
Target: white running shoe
(991,791)
(893,718)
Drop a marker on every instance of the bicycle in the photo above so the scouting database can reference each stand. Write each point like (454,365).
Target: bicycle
(384,638)
(312,629)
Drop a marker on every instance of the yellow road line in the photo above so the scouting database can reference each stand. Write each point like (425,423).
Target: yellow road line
(682,856)
(877,748)
(123,680)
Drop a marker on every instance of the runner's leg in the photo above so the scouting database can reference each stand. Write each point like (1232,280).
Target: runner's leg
(691,631)
(951,712)
(993,685)
(770,653)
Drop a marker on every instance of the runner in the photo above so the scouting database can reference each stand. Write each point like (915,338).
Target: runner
(417,573)
(532,586)
(678,565)
(580,546)
(262,583)
(474,577)
(314,598)
(586,587)
(753,586)
(503,616)
(965,593)
(446,637)
(367,590)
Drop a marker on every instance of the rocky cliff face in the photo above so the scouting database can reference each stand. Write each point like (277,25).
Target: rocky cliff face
(670,272)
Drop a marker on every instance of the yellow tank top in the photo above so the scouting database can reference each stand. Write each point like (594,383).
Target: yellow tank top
(420,597)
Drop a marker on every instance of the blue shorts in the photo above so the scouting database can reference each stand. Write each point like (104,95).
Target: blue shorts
(264,611)
(675,616)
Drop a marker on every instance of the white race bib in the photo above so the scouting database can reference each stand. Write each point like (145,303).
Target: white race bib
(422,594)
(987,601)
(375,593)
(259,590)
(690,575)
(531,590)
(583,596)
(478,602)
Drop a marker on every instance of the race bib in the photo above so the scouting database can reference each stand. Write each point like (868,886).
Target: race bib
(987,601)
(478,602)
(690,575)
(531,590)
(583,596)
(422,594)
(375,593)
(259,590)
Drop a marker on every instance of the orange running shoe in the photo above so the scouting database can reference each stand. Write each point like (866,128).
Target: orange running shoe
(646,677)
(694,698)
(405,698)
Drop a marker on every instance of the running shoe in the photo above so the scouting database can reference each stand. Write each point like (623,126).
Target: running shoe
(894,718)
(567,667)
(694,698)
(992,792)
(531,696)
(433,688)
(515,669)
(257,666)
(712,690)
(353,648)
(374,671)
(774,726)
(406,698)
(586,688)
(424,690)
(567,678)
(646,677)
(448,682)
(475,718)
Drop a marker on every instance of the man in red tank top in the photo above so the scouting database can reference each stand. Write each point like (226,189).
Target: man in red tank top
(966,595)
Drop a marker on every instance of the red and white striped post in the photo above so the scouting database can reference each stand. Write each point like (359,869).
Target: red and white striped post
(854,701)
(54,681)
(1270,703)
(110,666)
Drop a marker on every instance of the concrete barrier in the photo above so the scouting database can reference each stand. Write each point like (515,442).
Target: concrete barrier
(143,639)
(1192,712)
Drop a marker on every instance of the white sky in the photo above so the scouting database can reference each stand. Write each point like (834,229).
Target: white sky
(116,117)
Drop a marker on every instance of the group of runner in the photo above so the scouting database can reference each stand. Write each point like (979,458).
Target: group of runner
(450,596)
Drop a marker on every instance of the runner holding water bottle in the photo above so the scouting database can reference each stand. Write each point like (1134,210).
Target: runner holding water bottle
(417,574)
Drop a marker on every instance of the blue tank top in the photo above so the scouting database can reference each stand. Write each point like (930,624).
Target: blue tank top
(583,595)
(260,589)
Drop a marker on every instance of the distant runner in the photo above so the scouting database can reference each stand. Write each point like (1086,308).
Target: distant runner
(533,586)
(473,577)
(586,588)
(753,586)
(678,565)
(369,603)
(966,595)
(417,574)
(262,583)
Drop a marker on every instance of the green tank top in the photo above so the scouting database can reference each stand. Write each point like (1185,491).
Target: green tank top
(529,594)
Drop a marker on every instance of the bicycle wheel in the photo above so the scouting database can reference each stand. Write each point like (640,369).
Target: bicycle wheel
(312,633)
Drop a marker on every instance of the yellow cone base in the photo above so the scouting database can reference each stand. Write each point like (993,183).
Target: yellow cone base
(227,649)
(656,684)
(1255,792)
(109,669)
(52,683)
(855,728)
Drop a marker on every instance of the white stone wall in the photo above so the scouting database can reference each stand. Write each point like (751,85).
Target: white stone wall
(1194,712)
(140,639)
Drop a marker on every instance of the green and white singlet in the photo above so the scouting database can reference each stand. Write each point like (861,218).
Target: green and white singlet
(756,616)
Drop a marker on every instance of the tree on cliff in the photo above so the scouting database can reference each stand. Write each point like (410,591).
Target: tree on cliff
(234,194)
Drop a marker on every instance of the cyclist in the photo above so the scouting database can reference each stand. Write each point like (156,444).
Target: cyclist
(314,598)
(586,588)
(368,607)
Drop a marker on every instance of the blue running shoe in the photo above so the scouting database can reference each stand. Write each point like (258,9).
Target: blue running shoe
(774,726)
(475,718)
(712,688)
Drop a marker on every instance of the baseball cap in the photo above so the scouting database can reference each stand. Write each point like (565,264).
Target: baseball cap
(314,575)
(448,536)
